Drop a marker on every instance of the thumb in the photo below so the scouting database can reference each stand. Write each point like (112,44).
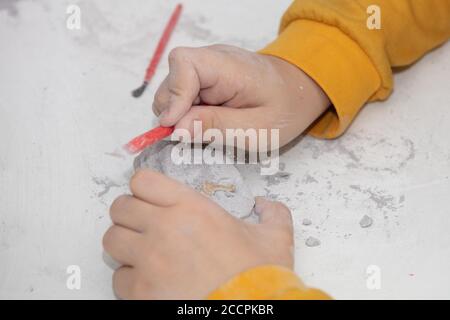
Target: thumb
(274,215)
(222,118)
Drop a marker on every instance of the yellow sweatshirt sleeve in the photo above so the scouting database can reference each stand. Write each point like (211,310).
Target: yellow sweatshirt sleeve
(330,41)
(266,283)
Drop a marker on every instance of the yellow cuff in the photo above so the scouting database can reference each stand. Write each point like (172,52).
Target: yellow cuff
(336,63)
(266,282)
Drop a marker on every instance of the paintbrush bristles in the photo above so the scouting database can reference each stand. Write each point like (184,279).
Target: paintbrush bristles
(139,91)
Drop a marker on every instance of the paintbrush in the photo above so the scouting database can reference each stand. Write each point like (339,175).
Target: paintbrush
(159,51)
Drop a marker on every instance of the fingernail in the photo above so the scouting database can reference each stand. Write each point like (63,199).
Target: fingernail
(163,115)
(260,203)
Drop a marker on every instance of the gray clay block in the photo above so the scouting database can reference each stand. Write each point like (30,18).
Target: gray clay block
(239,202)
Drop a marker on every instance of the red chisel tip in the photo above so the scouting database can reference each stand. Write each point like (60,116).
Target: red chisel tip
(148,138)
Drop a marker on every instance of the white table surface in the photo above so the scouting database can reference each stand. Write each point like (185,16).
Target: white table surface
(65,105)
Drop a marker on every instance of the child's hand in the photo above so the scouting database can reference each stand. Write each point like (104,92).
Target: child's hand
(258,91)
(175,243)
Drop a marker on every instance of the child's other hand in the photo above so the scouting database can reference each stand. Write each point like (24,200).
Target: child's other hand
(258,91)
(176,243)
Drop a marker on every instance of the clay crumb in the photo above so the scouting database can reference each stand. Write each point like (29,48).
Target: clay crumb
(366,222)
(106,183)
(306,222)
(312,242)
(210,188)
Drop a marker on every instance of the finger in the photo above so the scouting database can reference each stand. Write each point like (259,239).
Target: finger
(157,189)
(161,99)
(121,243)
(223,118)
(124,280)
(274,215)
(191,69)
(183,85)
(132,213)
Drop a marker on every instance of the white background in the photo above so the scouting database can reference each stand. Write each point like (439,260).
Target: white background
(65,107)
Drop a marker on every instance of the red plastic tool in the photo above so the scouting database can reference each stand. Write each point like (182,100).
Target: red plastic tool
(148,138)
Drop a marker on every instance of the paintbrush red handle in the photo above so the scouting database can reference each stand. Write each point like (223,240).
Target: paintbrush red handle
(162,43)
(151,69)
(148,138)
